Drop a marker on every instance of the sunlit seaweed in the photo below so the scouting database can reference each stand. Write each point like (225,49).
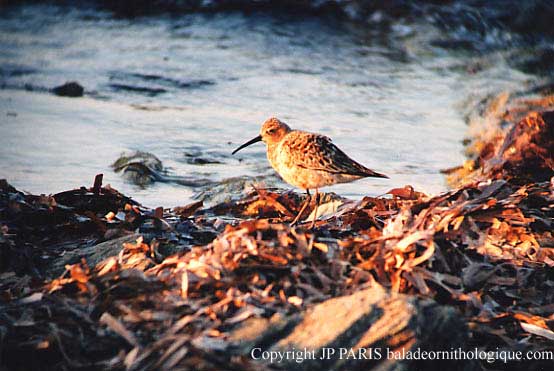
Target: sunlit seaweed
(188,277)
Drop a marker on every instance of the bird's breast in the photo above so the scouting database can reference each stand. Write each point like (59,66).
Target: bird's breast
(282,159)
(273,157)
(279,157)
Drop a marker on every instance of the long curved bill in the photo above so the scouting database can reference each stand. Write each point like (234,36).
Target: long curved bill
(255,140)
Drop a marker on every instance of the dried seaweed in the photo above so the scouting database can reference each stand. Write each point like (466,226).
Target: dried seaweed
(170,297)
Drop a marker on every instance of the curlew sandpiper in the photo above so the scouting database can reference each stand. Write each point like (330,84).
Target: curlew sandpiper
(307,160)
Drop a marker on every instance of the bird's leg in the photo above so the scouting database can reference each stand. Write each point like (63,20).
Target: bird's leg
(315,209)
(302,208)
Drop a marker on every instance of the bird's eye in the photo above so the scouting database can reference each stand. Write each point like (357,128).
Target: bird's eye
(270,131)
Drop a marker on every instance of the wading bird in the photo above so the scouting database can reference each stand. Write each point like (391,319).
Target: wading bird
(307,160)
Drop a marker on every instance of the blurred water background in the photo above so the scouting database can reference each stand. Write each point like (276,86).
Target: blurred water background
(190,81)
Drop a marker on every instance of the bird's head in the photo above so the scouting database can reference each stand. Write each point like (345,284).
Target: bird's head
(273,130)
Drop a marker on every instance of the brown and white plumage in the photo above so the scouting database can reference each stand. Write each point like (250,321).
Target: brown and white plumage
(307,160)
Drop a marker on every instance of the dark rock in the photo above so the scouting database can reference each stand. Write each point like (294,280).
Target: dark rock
(69,89)
(143,168)
(92,254)
(139,167)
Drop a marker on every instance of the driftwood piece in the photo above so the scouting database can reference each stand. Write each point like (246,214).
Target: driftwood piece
(370,328)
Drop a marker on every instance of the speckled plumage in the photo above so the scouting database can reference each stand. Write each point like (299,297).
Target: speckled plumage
(307,160)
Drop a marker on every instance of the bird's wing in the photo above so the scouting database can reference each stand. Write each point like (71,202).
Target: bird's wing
(317,152)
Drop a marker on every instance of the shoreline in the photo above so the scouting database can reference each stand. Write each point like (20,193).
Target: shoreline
(90,278)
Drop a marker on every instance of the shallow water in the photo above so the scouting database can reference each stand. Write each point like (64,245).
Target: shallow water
(191,88)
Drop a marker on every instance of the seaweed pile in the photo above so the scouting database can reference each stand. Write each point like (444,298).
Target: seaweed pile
(90,278)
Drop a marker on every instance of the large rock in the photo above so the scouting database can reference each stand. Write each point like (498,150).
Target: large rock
(368,329)
(92,254)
